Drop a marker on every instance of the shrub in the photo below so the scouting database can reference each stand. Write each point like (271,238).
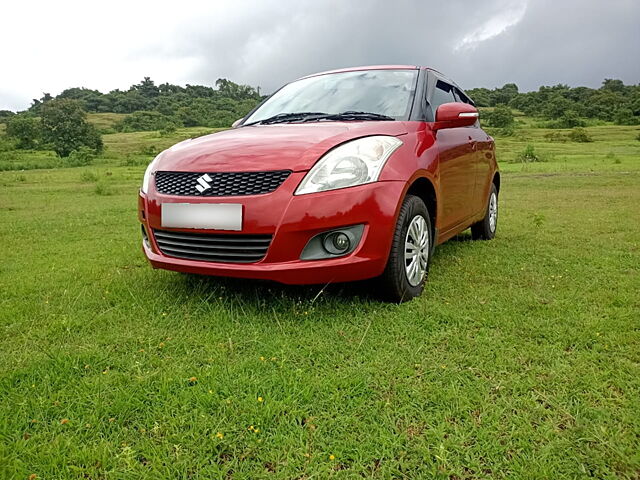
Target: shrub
(556,137)
(624,116)
(145,121)
(529,155)
(501,117)
(168,130)
(580,135)
(103,188)
(569,119)
(89,177)
(65,127)
(80,157)
(26,130)
(6,114)
(150,150)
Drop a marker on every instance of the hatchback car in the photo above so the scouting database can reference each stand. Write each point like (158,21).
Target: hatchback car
(339,176)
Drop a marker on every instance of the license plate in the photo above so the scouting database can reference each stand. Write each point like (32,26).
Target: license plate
(215,216)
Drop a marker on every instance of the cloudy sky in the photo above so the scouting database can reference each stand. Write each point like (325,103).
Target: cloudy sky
(49,46)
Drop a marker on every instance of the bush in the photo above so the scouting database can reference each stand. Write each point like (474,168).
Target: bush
(501,117)
(80,157)
(624,116)
(5,115)
(579,135)
(145,121)
(103,188)
(149,150)
(26,130)
(556,137)
(529,155)
(65,127)
(569,119)
(89,177)
(168,130)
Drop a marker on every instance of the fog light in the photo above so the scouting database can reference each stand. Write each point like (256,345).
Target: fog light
(334,243)
(337,243)
(341,241)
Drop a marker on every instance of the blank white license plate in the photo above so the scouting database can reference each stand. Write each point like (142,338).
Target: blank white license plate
(215,216)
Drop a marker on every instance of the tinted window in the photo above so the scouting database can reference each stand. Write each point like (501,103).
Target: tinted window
(387,92)
(443,93)
(461,97)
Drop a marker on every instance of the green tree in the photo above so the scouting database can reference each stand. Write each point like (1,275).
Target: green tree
(26,129)
(6,114)
(501,117)
(568,119)
(624,116)
(505,94)
(65,127)
(613,85)
(557,105)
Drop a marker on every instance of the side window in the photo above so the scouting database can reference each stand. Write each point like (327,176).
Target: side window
(443,93)
(461,97)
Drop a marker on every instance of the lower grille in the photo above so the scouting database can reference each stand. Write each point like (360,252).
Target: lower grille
(230,248)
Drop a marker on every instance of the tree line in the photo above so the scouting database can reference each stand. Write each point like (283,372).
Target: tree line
(565,106)
(59,123)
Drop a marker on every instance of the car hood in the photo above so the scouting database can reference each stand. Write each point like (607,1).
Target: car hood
(268,147)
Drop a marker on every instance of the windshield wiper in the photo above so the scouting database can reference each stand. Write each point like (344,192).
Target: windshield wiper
(353,115)
(288,117)
(315,116)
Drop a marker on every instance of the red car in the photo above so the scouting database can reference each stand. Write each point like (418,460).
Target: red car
(339,176)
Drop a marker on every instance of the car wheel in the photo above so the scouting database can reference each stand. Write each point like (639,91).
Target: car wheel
(485,229)
(410,255)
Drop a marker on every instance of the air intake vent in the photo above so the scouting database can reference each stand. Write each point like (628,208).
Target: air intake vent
(230,248)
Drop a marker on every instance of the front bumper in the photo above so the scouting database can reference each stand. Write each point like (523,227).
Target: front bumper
(293,221)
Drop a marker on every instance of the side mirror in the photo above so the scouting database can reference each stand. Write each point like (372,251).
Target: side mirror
(236,123)
(455,114)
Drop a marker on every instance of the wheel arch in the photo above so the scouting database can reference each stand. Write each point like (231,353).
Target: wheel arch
(496,181)
(423,188)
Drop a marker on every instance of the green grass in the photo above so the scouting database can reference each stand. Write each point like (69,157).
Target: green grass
(520,360)
(105,122)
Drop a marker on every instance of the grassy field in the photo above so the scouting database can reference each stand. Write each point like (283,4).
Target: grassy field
(521,359)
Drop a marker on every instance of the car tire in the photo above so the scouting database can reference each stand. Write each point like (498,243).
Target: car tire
(407,268)
(486,228)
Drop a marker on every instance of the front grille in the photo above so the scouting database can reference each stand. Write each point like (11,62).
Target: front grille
(232,248)
(222,184)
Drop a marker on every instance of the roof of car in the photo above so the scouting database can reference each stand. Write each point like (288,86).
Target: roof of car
(375,67)
(367,67)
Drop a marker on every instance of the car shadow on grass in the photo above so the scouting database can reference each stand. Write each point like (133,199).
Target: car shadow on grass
(363,291)
(249,292)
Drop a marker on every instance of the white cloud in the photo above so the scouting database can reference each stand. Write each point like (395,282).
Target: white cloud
(495,25)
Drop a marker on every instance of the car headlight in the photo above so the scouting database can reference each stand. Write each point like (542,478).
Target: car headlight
(353,163)
(146,180)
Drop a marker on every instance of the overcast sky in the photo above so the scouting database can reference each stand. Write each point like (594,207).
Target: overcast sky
(49,46)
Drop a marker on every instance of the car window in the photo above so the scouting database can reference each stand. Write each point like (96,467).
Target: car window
(461,97)
(443,93)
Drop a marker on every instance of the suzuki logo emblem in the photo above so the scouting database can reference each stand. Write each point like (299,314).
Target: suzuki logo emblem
(202,180)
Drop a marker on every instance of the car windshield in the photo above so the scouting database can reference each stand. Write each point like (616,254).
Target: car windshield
(383,92)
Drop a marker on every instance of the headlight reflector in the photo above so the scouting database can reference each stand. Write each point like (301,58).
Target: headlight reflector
(353,163)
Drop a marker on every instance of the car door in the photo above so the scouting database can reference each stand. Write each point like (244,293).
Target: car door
(456,165)
(482,155)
